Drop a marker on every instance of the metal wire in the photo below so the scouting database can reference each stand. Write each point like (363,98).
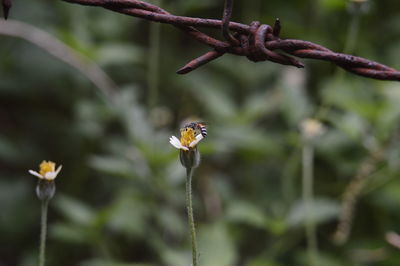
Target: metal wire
(226,17)
(256,41)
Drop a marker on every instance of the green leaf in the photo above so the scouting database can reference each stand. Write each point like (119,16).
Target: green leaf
(215,101)
(215,245)
(351,124)
(102,262)
(260,105)
(75,210)
(119,53)
(262,262)
(128,215)
(243,212)
(70,233)
(173,257)
(112,165)
(321,210)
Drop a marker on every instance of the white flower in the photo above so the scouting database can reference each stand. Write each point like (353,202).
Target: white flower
(188,140)
(47,171)
(312,128)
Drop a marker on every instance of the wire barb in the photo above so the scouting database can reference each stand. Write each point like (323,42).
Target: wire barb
(226,17)
(256,41)
(198,62)
(6,4)
(277,28)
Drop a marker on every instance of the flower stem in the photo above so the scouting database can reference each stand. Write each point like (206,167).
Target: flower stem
(352,33)
(312,246)
(189,206)
(43,230)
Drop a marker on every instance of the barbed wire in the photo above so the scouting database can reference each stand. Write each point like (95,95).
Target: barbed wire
(256,41)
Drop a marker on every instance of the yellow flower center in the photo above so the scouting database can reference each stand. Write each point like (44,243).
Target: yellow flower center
(188,135)
(46,167)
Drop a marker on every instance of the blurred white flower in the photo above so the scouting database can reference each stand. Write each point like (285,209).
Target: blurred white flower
(47,171)
(311,128)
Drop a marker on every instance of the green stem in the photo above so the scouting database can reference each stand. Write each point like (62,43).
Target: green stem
(352,34)
(43,230)
(312,246)
(189,206)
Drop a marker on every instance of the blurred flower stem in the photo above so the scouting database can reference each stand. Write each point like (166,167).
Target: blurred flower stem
(352,33)
(189,206)
(153,73)
(43,231)
(356,9)
(311,129)
(308,198)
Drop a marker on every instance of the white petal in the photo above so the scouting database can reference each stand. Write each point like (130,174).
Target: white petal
(50,175)
(174,139)
(58,170)
(175,142)
(36,174)
(198,139)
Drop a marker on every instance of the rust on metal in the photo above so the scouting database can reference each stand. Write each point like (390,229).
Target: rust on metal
(256,41)
(199,61)
(226,17)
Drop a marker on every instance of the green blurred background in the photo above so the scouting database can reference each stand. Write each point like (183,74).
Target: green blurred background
(121,196)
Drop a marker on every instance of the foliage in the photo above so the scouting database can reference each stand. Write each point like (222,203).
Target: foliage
(120,198)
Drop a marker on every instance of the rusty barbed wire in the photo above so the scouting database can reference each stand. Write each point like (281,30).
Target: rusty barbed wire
(256,41)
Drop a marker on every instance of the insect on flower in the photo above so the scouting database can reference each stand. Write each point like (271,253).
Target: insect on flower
(198,126)
(191,134)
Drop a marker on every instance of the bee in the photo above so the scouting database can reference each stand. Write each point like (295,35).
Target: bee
(199,127)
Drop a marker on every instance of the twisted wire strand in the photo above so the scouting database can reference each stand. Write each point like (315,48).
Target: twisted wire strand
(256,41)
